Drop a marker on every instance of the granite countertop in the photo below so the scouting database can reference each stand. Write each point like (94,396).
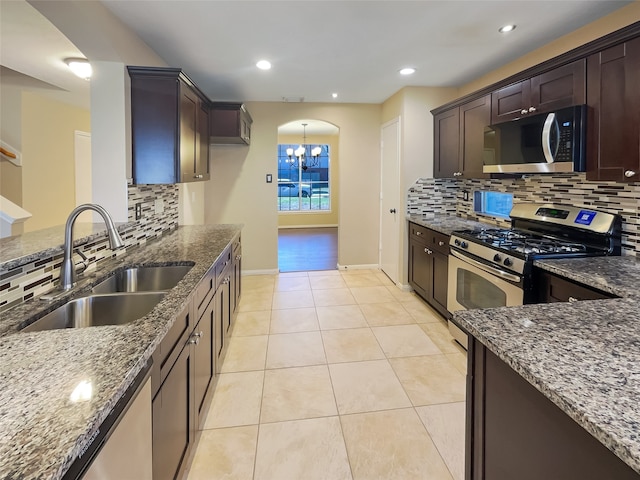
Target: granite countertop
(447,224)
(41,429)
(30,246)
(583,356)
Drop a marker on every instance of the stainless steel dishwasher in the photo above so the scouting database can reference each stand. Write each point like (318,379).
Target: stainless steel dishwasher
(121,448)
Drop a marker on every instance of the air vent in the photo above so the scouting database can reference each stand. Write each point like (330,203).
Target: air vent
(293,99)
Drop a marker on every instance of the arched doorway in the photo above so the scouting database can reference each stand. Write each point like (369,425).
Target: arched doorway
(308,203)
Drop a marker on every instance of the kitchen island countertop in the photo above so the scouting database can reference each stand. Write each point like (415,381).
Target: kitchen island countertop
(41,429)
(583,356)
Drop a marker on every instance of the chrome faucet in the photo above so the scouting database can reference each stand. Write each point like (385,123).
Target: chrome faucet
(68,270)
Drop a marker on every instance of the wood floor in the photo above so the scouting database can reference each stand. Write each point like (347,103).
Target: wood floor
(304,249)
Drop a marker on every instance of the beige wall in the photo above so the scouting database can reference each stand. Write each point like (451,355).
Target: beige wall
(413,106)
(316,219)
(48,189)
(238,193)
(10,120)
(608,24)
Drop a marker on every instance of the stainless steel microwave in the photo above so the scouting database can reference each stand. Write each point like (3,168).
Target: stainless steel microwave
(542,143)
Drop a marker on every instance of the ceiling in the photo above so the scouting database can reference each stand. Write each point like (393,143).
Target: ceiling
(353,48)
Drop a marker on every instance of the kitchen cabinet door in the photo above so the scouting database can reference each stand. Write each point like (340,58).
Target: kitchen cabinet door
(474,117)
(173,418)
(509,102)
(204,361)
(188,125)
(446,143)
(440,276)
(221,324)
(420,267)
(558,88)
(201,166)
(613,95)
(236,281)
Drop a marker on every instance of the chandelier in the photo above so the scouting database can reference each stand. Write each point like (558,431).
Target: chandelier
(305,155)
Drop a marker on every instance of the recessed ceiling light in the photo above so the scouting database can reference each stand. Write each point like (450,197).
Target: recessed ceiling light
(407,71)
(334,95)
(264,64)
(80,66)
(506,28)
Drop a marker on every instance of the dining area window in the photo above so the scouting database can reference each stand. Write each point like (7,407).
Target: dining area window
(303,178)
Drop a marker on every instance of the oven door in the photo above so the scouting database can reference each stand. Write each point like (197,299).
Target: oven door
(474,284)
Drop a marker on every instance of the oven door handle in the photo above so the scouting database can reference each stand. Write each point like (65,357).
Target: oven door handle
(486,268)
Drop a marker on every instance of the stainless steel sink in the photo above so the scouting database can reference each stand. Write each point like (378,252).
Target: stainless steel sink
(98,310)
(143,279)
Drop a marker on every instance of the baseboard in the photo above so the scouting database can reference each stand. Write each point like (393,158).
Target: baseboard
(404,288)
(289,227)
(260,272)
(372,266)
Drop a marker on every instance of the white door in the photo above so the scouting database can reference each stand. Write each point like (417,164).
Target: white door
(390,207)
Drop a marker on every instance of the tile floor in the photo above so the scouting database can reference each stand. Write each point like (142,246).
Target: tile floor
(335,375)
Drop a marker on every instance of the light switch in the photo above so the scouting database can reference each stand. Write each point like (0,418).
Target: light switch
(269,178)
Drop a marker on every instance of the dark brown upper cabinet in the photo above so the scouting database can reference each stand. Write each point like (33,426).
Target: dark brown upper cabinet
(230,124)
(459,139)
(446,144)
(169,127)
(613,95)
(558,88)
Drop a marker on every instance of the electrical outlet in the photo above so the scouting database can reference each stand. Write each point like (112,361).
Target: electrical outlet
(465,195)
(138,211)
(159,205)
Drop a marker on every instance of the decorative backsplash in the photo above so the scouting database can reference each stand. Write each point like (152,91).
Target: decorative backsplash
(428,195)
(19,281)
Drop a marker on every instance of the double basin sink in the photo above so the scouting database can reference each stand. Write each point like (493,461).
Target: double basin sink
(123,297)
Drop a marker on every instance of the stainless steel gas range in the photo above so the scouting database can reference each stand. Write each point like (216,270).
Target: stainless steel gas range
(493,267)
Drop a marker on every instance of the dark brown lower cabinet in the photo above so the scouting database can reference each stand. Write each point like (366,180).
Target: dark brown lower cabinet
(185,367)
(552,288)
(515,432)
(173,417)
(428,266)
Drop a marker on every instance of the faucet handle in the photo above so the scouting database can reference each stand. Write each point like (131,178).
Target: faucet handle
(84,264)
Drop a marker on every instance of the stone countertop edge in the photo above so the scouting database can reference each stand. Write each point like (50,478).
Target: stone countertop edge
(447,224)
(41,429)
(582,356)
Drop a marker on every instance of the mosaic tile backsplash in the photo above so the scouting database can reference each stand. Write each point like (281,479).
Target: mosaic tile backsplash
(20,281)
(429,195)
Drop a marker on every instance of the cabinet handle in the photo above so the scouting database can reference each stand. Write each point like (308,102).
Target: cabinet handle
(238,257)
(418,234)
(573,299)
(199,334)
(630,173)
(198,176)
(441,243)
(532,109)
(427,251)
(194,340)
(524,111)
(457,174)
(392,210)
